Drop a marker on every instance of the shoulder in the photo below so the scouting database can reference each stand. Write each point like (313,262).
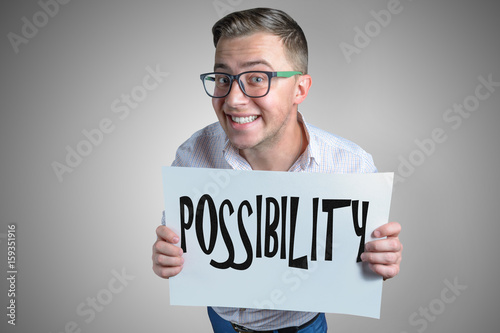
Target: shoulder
(203,148)
(211,132)
(338,153)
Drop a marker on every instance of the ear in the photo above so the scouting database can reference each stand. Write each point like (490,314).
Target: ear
(302,88)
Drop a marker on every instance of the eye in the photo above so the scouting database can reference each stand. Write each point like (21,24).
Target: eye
(222,80)
(257,79)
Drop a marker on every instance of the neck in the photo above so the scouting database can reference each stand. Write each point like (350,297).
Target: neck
(280,156)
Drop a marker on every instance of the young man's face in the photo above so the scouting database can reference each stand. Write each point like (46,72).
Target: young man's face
(256,123)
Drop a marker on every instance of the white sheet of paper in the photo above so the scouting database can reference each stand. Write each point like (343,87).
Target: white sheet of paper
(340,285)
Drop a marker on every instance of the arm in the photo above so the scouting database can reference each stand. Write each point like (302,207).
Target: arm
(384,255)
(167,257)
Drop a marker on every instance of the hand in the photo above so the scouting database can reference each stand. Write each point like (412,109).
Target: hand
(167,258)
(384,255)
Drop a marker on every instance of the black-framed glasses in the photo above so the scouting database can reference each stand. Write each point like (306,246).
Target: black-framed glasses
(253,84)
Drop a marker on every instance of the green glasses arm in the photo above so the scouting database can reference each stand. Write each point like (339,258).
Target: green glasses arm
(287,74)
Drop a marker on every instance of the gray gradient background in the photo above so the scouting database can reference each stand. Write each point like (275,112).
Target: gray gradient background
(102,217)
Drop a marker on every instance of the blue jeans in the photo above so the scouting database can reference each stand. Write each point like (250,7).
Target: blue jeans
(223,326)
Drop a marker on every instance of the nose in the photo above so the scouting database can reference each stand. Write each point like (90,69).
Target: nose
(236,95)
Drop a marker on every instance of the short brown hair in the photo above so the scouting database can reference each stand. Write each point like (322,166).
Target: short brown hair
(274,21)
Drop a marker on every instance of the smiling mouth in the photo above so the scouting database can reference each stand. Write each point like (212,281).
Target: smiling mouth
(243,120)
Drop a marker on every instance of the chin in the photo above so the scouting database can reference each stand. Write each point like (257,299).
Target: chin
(243,142)
(242,145)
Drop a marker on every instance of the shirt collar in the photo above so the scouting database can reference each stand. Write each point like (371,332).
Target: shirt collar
(311,154)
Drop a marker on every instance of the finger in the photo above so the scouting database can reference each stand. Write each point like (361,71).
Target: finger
(169,265)
(166,234)
(166,272)
(384,245)
(382,258)
(167,261)
(391,229)
(164,248)
(386,271)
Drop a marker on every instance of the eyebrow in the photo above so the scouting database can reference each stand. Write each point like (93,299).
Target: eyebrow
(247,64)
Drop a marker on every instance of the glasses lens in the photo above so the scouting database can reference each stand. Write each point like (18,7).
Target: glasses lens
(255,84)
(217,85)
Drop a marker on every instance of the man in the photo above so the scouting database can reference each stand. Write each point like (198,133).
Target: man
(259,79)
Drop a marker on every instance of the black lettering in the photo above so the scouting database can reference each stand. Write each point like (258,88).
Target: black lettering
(226,236)
(329,205)
(302,261)
(185,202)
(360,231)
(244,237)
(315,229)
(283,227)
(213,223)
(270,231)
(259,225)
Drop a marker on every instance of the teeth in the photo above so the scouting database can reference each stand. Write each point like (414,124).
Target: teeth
(244,120)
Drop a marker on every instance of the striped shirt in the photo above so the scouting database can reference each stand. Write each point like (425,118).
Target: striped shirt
(325,153)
